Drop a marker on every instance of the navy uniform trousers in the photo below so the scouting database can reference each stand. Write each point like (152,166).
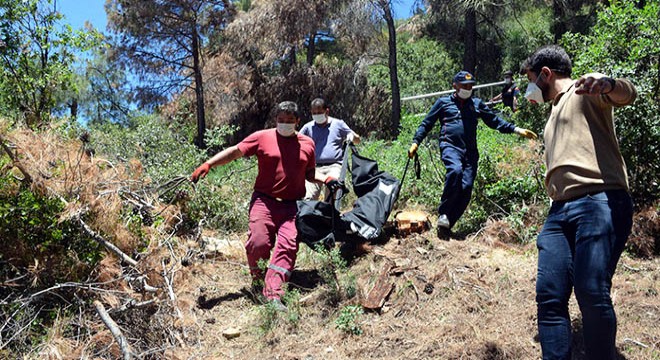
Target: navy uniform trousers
(461,166)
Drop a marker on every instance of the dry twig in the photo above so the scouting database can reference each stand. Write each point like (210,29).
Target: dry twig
(108,245)
(27,325)
(170,290)
(131,304)
(114,329)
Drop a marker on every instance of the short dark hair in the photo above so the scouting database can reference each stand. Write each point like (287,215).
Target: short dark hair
(552,56)
(288,107)
(319,102)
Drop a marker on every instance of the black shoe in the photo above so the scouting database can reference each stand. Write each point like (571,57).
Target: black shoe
(443,233)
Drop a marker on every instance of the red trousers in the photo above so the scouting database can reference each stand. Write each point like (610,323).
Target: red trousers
(272,227)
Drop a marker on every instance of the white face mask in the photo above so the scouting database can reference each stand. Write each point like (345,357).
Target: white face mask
(508,81)
(464,93)
(534,94)
(319,118)
(286,129)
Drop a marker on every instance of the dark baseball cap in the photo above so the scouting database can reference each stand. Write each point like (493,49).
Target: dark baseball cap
(464,77)
(508,73)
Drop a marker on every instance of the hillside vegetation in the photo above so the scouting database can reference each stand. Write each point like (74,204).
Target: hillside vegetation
(181,284)
(108,251)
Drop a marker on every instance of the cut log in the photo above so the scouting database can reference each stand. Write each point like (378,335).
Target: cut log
(411,221)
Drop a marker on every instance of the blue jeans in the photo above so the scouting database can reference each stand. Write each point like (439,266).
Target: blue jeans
(579,247)
(461,166)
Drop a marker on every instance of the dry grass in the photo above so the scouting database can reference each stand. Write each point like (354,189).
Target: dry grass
(103,192)
(481,307)
(67,170)
(645,238)
(470,299)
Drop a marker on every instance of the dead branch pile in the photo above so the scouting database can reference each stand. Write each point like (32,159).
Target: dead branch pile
(115,205)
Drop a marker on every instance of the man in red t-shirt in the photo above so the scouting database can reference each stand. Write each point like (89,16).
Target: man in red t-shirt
(285,160)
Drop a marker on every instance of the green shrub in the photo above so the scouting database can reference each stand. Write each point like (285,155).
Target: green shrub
(523,33)
(166,152)
(333,269)
(291,299)
(270,317)
(423,66)
(33,235)
(223,197)
(348,318)
(163,153)
(623,43)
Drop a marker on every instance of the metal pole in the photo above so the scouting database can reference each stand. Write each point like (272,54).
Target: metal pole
(447,92)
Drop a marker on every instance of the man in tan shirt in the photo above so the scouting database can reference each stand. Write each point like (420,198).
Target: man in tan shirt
(591,213)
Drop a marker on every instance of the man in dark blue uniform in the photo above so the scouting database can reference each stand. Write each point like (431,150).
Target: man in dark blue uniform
(458,114)
(509,92)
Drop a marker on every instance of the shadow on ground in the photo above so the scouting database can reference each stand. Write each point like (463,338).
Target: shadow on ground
(207,304)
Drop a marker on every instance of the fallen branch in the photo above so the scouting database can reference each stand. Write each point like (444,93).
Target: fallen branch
(15,162)
(382,288)
(26,325)
(170,290)
(142,280)
(639,343)
(630,268)
(108,245)
(134,199)
(83,286)
(171,185)
(132,304)
(114,329)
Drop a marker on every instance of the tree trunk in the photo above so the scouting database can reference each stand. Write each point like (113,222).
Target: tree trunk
(73,107)
(311,48)
(470,54)
(394,76)
(558,24)
(199,91)
(292,57)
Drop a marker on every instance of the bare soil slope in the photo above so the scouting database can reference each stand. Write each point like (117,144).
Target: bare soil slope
(458,299)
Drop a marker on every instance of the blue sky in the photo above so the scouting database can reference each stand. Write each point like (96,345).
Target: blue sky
(77,12)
